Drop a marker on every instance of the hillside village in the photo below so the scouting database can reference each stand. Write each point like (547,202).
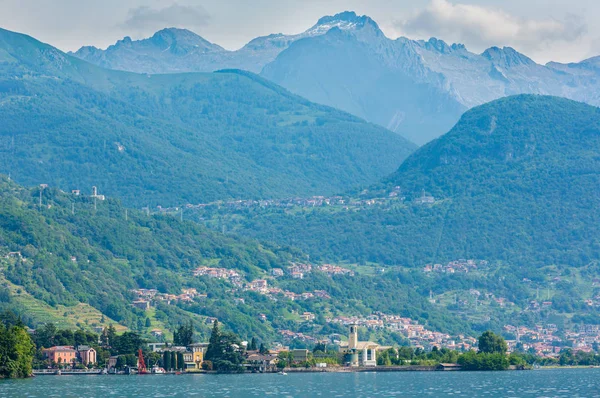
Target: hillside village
(543,340)
(366,199)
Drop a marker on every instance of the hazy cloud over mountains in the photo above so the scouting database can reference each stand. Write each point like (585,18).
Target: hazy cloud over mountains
(144,18)
(481,27)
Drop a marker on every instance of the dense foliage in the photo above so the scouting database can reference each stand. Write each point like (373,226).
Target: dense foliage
(16,349)
(184,335)
(491,354)
(224,350)
(174,139)
(491,343)
(483,361)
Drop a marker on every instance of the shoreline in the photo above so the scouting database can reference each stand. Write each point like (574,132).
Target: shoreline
(369,369)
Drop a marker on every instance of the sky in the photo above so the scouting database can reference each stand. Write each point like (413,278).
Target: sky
(545,30)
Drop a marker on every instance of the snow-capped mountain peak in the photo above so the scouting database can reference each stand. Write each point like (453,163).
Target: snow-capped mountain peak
(347,20)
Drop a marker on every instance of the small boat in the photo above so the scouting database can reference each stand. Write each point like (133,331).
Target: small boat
(156,370)
(282,373)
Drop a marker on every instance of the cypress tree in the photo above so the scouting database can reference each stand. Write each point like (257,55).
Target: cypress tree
(173,360)
(180,361)
(167,360)
(214,350)
(263,349)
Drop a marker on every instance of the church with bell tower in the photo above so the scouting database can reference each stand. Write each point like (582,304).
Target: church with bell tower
(359,353)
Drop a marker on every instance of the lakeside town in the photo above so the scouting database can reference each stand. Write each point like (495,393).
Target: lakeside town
(341,353)
(543,340)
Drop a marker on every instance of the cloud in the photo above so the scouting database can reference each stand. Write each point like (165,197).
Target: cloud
(482,27)
(145,19)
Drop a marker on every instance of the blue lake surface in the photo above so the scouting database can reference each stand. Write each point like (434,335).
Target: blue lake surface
(539,383)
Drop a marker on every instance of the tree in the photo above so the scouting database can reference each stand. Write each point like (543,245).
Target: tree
(9,318)
(263,349)
(108,335)
(148,322)
(153,358)
(214,344)
(79,337)
(45,335)
(320,347)
(121,362)
(167,360)
(184,335)
(483,361)
(174,364)
(16,352)
(491,343)
(180,361)
(252,346)
(224,350)
(127,343)
(131,360)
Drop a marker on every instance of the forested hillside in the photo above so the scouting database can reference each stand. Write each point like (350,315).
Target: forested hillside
(75,255)
(515,180)
(174,139)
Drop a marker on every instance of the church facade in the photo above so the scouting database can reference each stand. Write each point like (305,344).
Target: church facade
(360,353)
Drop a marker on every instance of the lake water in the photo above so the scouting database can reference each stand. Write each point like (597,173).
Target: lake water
(540,383)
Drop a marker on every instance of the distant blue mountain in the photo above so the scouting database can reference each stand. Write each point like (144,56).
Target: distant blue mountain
(174,50)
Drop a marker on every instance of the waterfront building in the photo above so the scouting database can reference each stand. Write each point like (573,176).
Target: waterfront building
(87,355)
(300,355)
(360,353)
(60,354)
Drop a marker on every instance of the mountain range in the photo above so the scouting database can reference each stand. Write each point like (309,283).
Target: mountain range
(175,138)
(416,88)
(174,50)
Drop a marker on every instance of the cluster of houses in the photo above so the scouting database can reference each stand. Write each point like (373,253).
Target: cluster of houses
(145,298)
(545,341)
(219,273)
(389,198)
(458,266)
(274,293)
(335,270)
(16,255)
(483,298)
(419,336)
(288,335)
(299,270)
